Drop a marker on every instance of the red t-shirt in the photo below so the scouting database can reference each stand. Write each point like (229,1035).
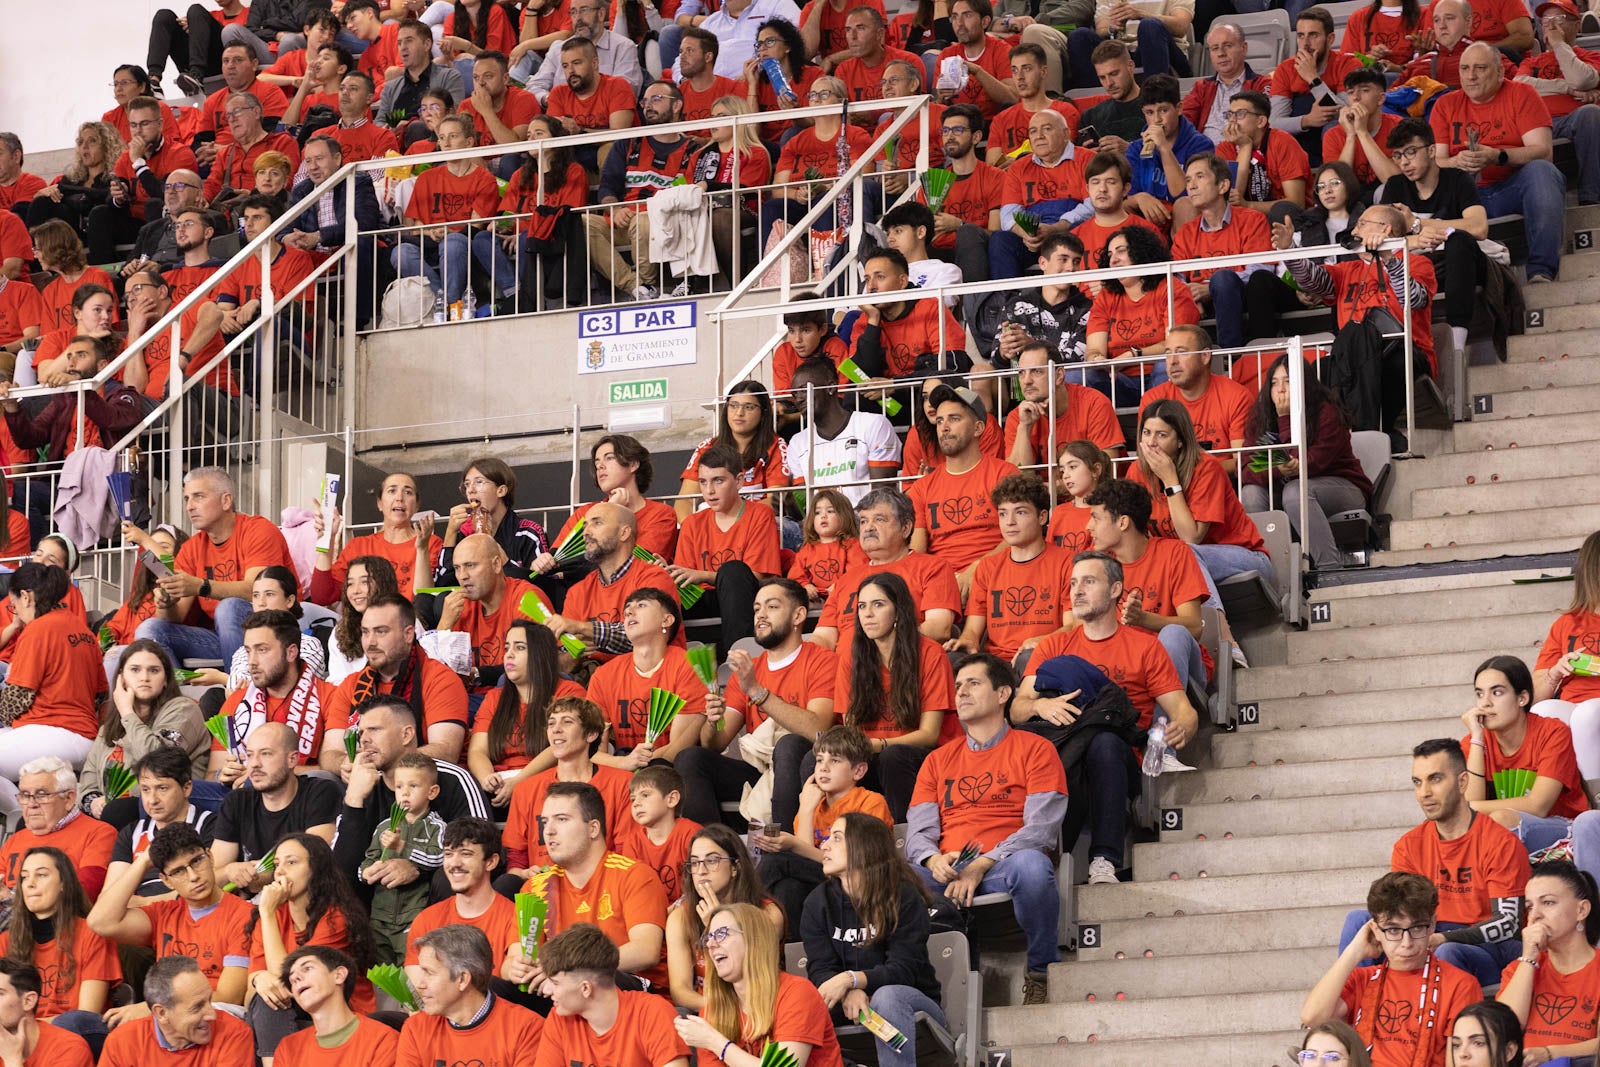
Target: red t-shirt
(971,199)
(21,308)
(163,161)
(524,833)
(373,1042)
(1009,127)
(16,242)
(908,142)
(95,960)
(666,859)
(1086,415)
(1368,27)
(1546,750)
(309,732)
(1132,658)
(865,82)
(808,676)
(1069,527)
(516,753)
(382,54)
(440,196)
(642,1036)
(573,192)
(592,112)
(622,893)
(1360,286)
(805,151)
(1095,236)
(981,795)
(1244,230)
(1285,160)
(1333,140)
(519,109)
(927,326)
(215,938)
(1500,123)
(58,1047)
(444,697)
(1141,323)
(1211,500)
(1484,863)
(1491,19)
(1544,65)
(55,657)
(500,35)
(1401,1008)
(1221,413)
(498,923)
(592,601)
(935,681)
(995,59)
(232,1044)
(331,931)
(799,1016)
(658,527)
(697,102)
(214,112)
(508,1036)
(289,268)
(624,695)
(820,564)
(401,554)
(1572,632)
(255,542)
(753,538)
(366,141)
(1168,575)
(87,842)
(833,16)
(931,579)
(1286,81)
(1030,182)
(58,296)
(956,512)
(916,459)
(20,191)
(785,360)
(1564,1005)
(1020,600)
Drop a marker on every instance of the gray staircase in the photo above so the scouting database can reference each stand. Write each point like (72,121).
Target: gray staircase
(1233,912)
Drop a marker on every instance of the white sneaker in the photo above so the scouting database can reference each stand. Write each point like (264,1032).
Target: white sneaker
(1170,764)
(1237,652)
(645,292)
(681,289)
(1101,872)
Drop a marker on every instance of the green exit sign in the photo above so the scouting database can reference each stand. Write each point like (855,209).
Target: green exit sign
(638,392)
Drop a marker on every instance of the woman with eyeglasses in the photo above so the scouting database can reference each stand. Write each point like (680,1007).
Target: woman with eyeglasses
(780,40)
(719,871)
(813,151)
(1486,1034)
(128,83)
(1334,1043)
(422,137)
(746,425)
(752,1001)
(866,933)
(1558,963)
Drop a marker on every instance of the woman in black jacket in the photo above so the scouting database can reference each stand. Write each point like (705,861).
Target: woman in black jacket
(866,933)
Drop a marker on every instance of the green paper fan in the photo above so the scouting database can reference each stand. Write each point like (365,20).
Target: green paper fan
(664,708)
(119,781)
(1027,222)
(775,1055)
(853,372)
(688,592)
(531,911)
(265,865)
(571,546)
(393,981)
(936,185)
(703,658)
(217,726)
(397,815)
(535,609)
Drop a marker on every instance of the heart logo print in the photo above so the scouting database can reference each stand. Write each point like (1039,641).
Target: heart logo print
(974,788)
(1019,598)
(1392,1015)
(1552,1009)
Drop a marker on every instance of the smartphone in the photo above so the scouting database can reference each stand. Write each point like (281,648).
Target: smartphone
(153,564)
(1087,135)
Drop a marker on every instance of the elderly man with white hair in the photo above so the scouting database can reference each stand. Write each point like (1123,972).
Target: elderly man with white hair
(47,790)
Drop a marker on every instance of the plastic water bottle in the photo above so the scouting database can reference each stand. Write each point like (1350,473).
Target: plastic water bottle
(438,305)
(1155,750)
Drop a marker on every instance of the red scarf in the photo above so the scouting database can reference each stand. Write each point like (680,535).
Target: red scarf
(304,715)
(407,685)
(1430,1034)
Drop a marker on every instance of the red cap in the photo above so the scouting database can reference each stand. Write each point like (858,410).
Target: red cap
(1566,6)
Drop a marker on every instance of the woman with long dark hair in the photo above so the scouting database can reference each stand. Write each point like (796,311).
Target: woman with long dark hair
(896,687)
(366,578)
(1389,38)
(1558,961)
(509,744)
(474,27)
(308,902)
(1486,1034)
(145,711)
(542,192)
(745,424)
(779,39)
(866,932)
(1333,475)
(1138,301)
(48,930)
(719,871)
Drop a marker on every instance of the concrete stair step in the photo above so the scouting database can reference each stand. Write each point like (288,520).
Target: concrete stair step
(1539,346)
(1217,896)
(1577,266)
(1540,546)
(1575,520)
(1242,749)
(1550,400)
(1483,466)
(1555,371)
(1107,1021)
(1222,1050)
(1388,606)
(1410,638)
(1363,675)
(1437,702)
(1293,815)
(1219,974)
(1243,931)
(1325,778)
(1492,498)
(1387,591)
(1578,314)
(1564,293)
(1264,855)
(1490,432)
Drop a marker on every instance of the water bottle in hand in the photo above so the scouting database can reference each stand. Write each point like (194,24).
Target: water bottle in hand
(1155,750)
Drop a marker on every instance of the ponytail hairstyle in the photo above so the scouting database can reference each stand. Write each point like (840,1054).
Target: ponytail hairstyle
(1582,884)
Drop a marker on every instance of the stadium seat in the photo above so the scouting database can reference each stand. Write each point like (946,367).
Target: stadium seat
(1268,36)
(1353,530)
(1248,600)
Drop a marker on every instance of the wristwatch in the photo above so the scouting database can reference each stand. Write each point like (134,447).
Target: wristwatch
(1505,157)
(205,588)
(1171,490)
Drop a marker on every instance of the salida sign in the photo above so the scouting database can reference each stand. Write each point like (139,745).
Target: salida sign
(632,339)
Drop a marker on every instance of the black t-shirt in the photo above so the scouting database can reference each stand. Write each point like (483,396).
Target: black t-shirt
(245,820)
(1455,192)
(139,833)
(1119,118)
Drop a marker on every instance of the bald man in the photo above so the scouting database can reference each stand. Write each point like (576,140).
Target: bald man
(1046,184)
(484,607)
(593,609)
(279,802)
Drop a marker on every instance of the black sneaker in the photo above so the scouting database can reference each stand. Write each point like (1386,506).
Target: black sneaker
(1036,987)
(190,84)
(506,305)
(155,88)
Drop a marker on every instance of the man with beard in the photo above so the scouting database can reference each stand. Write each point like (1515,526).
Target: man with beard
(791,684)
(239,69)
(499,110)
(144,172)
(1009,128)
(698,79)
(271,801)
(839,446)
(971,209)
(862,73)
(1308,87)
(485,606)
(472,859)
(634,171)
(397,665)
(587,99)
(283,688)
(983,57)
(615,55)
(113,410)
(592,611)
(1081,413)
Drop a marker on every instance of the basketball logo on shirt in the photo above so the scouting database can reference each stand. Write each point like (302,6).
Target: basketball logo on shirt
(971,787)
(1126,329)
(1074,542)
(825,572)
(490,653)
(226,570)
(1552,1009)
(1017,599)
(713,560)
(1392,1015)
(630,710)
(48,976)
(1584,641)
(958,509)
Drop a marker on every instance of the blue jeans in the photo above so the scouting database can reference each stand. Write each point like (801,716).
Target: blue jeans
(899,1004)
(87,1025)
(1227,303)
(504,276)
(192,642)
(1224,561)
(1583,127)
(669,38)
(1008,256)
(1030,878)
(1185,652)
(1123,390)
(1536,191)
(1483,962)
(411,258)
(1155,51)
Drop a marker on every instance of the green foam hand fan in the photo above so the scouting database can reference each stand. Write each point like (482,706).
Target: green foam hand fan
(532,909)
(119,781)
(393,981)
(688,592)
(936,185)
(853,372)
(265,865)
(571,546)
(534,608)
(775,1055)
(664,708)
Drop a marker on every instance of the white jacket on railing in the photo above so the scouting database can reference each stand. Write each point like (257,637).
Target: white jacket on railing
(680,230)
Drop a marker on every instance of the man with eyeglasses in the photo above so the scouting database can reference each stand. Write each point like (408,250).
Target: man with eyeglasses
(970,211)
(16,185)
(614,56)
(634,171)
(1500,132)
(1269,166)
(234,168)
(150,297)
(165,779)
(900,79)
(215,130)
(156,246)
(47,791)
(401,99)
(1209,100)
(199,920)
(139,175)
(459,1018)
(1048,185)
(1477,867)
(1568,81)
(279,802)
(1404,1007)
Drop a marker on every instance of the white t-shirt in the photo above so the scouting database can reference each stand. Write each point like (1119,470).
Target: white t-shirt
(867,440)
(932,273)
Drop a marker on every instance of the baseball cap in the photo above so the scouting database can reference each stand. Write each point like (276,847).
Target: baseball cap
(1565,6)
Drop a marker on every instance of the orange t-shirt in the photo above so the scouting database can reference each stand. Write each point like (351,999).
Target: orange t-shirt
(1020,600)
(917,458)
(592,112)
(753,538)
(866,83)
(1368,27)
(909,142)
(402,554)
(1500,123)
(364,142)
(1009,127)
(1069,528)
(1360,286)
(440,196)
(21,308)
(1395,1025)
(1087,415)
(1285,161)
(255,542)
(591,600)
(1546,750)
(309,731)
(832,28)
(697,102)
(658,527)
(931,579)
(499,35)
(642,1036)
(331,931)
(820,564)
(19,535)
(1132,658)
(1095,235)
(1030,182)
(1572,632)
(215,937)
(995,59)
(87,842)
(1564,1005)
(58,1047)
(956,512)
(58,296)
(936,683)
(971,198)
(981,795)
(382,53)
(498,923)
(799,1016)
(1168,575)
(1211,500)
(927,326)
(856,798)
(1333,140)
(621,894)
(1491,17)
(135,1044)
(487,632)
(94,960)
(508,1036)
(516,754)
(666,859)
(56,657)
(214,113)
(1244,230)
(806,151)
(519,109)
(1141,323)
(444,698)
(1484,863)
(525,826)
(806,677)
(785,360)
(624,695)
(373,1042)
(1219,416)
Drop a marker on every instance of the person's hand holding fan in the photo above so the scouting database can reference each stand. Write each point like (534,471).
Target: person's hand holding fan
(119,781)
(853,372)
(217,727)
(532,908)
(393,981)
(572,546)
(688,593)
(936,185)
(534,608)
(265,865)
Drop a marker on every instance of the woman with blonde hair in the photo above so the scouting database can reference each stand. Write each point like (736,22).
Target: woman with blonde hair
(750,1001)
(713,169)
(84,183)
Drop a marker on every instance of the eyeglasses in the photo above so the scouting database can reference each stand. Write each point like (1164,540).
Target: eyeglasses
(193,869)
(768,42)
(474,485)
(135,290)
(744,408)
(1307,1056)
(1400,155)
(124,84)
(713,938)
(1400,933)
(236,112)
(1239,114)
(709,863)
(1556,19)
(182,185)
(954,131)
(656,98)
(41,797)
(1328,187)
(823,94)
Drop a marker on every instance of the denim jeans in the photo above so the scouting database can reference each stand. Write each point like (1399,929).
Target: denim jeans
(1583,127)
(193,642)
(87,1025)
(1483,962)
(1185,652)
(1227,303)
(1155,51)
(899,1004)
(1536,191)
(428,257)
(1224,561)
(1124,390)
(1030,878)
